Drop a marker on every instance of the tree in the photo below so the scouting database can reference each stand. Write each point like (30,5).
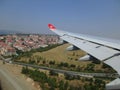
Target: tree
(96,61)
(105,66)
(73,53)
(53,73)
(90,67)
(66,85)
(52,62)
(65,64)
(25,70)
(44,62)
(31,61)
(72,65)
(52,82)
(61,85)
(69,77)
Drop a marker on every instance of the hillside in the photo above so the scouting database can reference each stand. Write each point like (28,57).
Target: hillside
(60,58)
(59,54)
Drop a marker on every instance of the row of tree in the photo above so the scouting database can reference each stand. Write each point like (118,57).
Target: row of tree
(43,79)
(65,65)
(48,82)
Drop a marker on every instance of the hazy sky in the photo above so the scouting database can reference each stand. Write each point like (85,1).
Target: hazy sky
(94,17)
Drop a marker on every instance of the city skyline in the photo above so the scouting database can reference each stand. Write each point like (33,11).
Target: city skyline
(100,18)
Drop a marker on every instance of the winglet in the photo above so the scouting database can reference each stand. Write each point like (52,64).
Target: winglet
(51,27)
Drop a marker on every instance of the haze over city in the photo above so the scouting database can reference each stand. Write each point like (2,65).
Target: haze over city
(100,18)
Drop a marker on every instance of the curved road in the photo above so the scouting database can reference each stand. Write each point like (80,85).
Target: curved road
(115,75)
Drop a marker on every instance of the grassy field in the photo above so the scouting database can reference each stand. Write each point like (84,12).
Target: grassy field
(60,54)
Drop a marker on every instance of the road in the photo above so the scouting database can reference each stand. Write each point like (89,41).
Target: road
(71,72)
(12,80)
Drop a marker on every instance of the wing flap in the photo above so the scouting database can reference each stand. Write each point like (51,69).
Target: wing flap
(114,63)
(100,52)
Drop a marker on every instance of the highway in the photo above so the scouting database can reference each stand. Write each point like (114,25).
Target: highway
(114,75)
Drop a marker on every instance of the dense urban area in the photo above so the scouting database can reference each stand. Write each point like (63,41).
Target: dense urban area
(9,44)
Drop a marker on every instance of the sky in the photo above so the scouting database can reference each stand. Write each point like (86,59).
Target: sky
(93,17)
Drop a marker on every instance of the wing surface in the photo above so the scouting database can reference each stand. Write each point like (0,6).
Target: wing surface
(104,50)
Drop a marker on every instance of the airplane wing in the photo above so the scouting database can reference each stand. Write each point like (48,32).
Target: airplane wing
(104,50)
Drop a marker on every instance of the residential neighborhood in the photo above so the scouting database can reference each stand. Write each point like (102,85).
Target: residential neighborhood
(10,43)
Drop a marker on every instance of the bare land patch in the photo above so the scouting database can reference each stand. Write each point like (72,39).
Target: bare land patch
(11,74)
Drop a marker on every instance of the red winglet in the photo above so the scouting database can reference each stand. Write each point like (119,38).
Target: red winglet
(51,27)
